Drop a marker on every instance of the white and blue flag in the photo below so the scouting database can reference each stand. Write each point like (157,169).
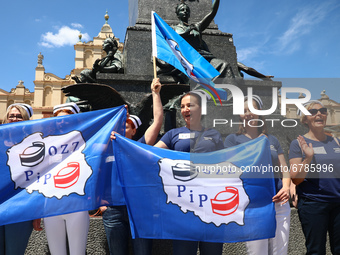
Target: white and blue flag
(57,165)
(67,164)
(221,196)
(170,47)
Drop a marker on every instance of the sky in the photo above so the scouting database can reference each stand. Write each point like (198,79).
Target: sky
(297,41)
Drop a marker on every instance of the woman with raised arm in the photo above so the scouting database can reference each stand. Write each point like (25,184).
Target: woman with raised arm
(315,169)
(193,137)
(252,129)
(115,218)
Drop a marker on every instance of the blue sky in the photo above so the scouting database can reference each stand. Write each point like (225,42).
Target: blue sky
(297,41)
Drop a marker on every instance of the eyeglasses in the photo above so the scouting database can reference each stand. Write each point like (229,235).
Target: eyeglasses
(315,111)
(18,116)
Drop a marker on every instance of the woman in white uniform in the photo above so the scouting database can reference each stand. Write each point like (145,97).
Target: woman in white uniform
(73,226)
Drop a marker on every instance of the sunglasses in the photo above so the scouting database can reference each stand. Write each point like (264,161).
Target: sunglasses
(315,111)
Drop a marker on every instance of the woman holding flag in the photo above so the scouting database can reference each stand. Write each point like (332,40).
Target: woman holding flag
(115,218)
(193,137)
(72,226)
(14,237)
(252,129)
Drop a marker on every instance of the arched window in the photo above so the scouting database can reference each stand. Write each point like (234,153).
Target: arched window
(47,97)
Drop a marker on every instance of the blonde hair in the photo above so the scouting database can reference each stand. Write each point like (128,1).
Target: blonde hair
(22,111)
(303,117)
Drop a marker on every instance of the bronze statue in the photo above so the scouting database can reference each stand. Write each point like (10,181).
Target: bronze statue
(192,33)
(251,71)
(111,63)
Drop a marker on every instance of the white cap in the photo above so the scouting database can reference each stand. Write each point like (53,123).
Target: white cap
(136,120)
(73,107)
(201,92)
(257,99)
(26,107)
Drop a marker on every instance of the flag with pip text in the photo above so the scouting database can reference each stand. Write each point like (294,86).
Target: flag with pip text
(57,165)
(170,47)
(222,196)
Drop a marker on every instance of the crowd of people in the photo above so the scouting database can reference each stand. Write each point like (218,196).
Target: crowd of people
(317,192)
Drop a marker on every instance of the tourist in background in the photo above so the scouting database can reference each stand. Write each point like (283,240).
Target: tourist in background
(315,169)
(73,227)
(14,237)
(252,129)
(193,137)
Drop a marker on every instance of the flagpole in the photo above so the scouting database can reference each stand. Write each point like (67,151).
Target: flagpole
(154,67)
(154,44)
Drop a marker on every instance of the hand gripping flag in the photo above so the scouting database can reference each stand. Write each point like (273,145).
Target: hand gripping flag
(170,47)
(217,197)
(57,165)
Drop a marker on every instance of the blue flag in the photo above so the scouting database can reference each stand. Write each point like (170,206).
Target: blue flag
(222,196)
(57,165)
(170,47)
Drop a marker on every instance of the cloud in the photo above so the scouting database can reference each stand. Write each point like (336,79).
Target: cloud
(76,25)
(247,53)
(47,45)
(65,36)
(302,24)
(251,57)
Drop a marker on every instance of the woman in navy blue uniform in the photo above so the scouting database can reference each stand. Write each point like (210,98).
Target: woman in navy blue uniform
(315,169)
(115,218)
(193,137)
(252,129)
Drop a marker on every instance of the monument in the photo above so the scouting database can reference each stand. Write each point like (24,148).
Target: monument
(133,84)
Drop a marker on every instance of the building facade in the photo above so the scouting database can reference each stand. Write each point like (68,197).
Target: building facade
(47,86)
(333,118)
(19,94)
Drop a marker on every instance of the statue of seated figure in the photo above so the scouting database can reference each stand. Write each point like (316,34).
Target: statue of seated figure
(111,63)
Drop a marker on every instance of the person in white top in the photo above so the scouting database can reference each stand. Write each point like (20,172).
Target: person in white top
(73,226)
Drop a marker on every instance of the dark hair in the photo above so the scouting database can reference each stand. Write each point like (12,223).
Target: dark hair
(199,99)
